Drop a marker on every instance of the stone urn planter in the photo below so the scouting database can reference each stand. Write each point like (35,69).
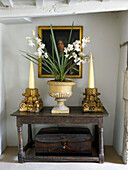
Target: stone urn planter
(60,91)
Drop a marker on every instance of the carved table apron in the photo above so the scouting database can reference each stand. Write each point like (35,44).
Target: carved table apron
(75,117)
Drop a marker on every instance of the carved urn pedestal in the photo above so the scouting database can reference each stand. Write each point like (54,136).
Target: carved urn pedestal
(60,91)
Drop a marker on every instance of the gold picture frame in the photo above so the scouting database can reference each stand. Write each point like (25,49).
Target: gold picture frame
(63,32)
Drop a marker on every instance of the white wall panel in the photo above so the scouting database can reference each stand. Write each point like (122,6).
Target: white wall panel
(103,30)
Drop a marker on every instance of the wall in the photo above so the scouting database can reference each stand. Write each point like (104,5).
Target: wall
(120,104)
(104,33)
(2,96)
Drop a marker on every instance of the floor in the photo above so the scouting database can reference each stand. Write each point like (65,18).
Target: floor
(8,161)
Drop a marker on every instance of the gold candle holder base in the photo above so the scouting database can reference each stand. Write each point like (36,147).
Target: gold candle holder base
(32,102)
(91,103)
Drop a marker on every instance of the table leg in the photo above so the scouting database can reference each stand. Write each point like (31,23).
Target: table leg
(30,141)
(101,144)
(21,153)
(96,139)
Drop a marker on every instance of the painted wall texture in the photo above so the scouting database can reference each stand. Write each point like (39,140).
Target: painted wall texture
(103,30)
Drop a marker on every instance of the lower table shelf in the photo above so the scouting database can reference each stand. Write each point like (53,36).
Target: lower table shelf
(76,157)
(29,158)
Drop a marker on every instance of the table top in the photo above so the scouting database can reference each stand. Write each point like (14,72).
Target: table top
(75,111)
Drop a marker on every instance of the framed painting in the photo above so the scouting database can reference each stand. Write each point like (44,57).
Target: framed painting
(61,34)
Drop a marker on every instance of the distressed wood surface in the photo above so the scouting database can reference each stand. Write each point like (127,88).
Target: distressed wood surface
(60,159)
(74,112)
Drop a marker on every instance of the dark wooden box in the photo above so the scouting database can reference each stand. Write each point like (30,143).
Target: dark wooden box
(63,140)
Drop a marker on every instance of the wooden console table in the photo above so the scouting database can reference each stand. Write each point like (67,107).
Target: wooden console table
(76,117)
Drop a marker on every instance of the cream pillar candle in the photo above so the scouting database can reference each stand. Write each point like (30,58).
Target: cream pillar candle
(31,76)
(91,74)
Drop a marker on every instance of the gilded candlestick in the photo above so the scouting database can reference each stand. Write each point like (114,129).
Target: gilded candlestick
(91,103)
(32,102)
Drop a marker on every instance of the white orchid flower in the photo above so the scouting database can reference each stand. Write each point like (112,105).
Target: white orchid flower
(39,49)
(42,46)
(65,50)
(38,40)
(88,39)
(46,55)
(70,47)
(66,55)
(74,54)
(77,59)
(30,43)
(87,60)
(77,42)
(81,54)
(83,45)
(77,47)
(84,41)
(84,60)
(78,63)
(38,53)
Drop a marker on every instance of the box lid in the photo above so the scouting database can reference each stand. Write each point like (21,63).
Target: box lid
(63,134)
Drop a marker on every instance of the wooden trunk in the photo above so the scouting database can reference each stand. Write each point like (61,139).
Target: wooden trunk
(63,140)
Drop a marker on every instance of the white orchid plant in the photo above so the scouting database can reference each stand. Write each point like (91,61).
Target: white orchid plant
(71,55)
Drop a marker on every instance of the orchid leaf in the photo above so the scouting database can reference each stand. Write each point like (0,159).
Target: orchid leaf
(57,54)
(36,63)
(52,48)
(70,68)
(70,33)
